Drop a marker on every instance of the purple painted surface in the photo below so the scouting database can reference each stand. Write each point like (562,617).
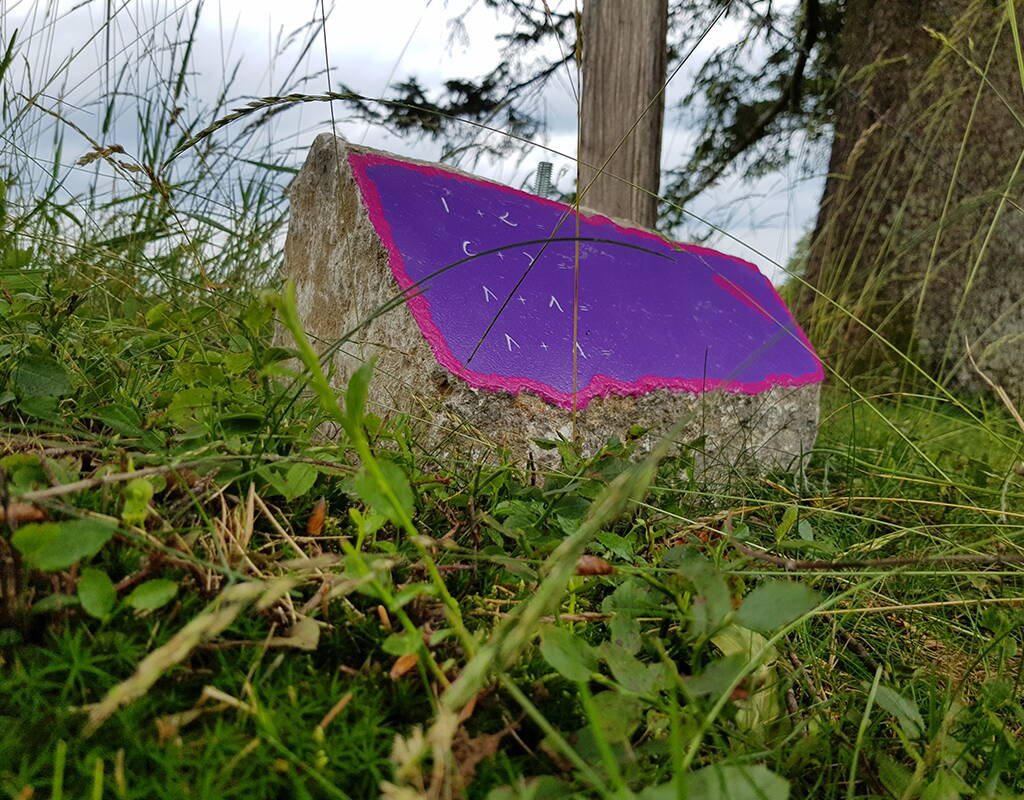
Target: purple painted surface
(653,314)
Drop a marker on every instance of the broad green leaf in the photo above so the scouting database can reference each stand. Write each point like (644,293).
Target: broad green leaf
(97,593)
(370,492)
(256,315)
(905,711)
(52,546)
(632,674)
(411,591)
(358,389)
(736,782)
(401,644)
(44,408)
(294,482)
(946,785)
(24,472)
(618,715)
(619,546)
(805,530)
(630,600)
(634,599)
(762,706)
(775,604)
(152,594)
(119,418)
(39,376)
(299,479)
(717,676)
(55,602)
(137,493)
(894,776)
(572,657)
(663,791)
(625,633)
(712,600)
(544,787)
(188,405)
(242,422)
(789,518)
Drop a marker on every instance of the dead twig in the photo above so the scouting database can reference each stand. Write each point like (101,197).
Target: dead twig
(101,480)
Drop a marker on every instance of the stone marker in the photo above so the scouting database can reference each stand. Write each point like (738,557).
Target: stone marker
(482,352)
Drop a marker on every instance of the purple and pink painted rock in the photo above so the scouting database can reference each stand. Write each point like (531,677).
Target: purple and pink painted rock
(490,276)
(479,355)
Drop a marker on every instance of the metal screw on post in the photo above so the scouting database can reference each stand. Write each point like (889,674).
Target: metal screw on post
(542,185)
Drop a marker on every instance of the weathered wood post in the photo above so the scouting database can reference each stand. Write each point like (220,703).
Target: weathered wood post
(623,106)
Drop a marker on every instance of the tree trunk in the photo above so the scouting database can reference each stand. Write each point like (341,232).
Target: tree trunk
(918,232)
(623,72)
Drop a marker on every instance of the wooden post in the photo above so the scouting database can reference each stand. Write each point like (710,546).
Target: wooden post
(623,71)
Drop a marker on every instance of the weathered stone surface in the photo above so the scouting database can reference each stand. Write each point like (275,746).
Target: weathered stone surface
(342,277)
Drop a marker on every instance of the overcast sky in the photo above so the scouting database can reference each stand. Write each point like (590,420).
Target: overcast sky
(368,46)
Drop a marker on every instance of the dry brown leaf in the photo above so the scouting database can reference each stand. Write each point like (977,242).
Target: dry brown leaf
(22,512)
(315,523)
(468,709)
(593,565)
(469,752)
(402,665)
(168,727)
(304,634)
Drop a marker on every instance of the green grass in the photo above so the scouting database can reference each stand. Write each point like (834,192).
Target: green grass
(181,625)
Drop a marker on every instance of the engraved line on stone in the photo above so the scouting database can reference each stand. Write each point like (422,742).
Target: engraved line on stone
(504,218)
(554,302)
(488,294)
(465,248)
(510,341)
(445,204)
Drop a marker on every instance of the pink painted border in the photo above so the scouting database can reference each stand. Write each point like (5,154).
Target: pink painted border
(600,385)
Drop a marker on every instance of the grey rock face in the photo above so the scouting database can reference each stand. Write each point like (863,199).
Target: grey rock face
(342,278)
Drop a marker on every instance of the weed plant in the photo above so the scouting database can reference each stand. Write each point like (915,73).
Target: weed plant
(220,576)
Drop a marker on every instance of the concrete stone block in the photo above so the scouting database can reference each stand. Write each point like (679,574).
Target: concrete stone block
(479,350)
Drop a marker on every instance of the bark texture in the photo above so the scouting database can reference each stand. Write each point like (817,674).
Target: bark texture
(623,71)
(918,231)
